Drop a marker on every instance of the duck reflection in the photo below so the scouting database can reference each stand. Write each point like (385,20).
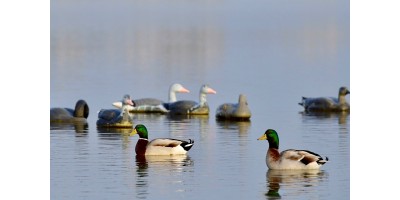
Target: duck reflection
(162,166)
(342,117)
(293,182)
(187,118)
(141,177)
(241,126)
(148,116)
(106,133)
(79,127)
(163,162)
(180,124)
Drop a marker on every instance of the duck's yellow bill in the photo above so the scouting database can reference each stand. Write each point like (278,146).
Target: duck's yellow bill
(263,137)
(133,132)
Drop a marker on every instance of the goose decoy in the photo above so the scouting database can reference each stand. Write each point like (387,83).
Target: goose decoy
(291,158)
(186,107)
(327,104)
(234,111)
(68,115)
(115,118)
(159,146)
(152,105)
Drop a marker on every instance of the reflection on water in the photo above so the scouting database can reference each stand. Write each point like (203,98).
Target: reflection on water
(179,125)
(187,118)
(165,170)
(141,177)
(164,163)
(79,127)
(123,134)
(138,117)
(342,117)
(104,131)
(292,183)
(242,127)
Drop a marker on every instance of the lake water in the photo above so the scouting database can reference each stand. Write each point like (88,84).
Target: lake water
(274,52)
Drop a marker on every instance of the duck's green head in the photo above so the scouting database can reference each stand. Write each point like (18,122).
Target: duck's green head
(141,130)
(272,136)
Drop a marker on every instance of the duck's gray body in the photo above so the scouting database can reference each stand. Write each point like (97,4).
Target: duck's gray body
(327,104)
(116,118)
(234,111)
(187,107)
(68,115)
(153,105)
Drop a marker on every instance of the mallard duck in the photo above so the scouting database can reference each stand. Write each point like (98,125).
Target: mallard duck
(152,105)
(327,104)
(187,107)
(116,118)
(159,146)
(291,158)
(68,115)
(234,111)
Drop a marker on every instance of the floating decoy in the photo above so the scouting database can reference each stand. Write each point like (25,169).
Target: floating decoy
(234,111)
(116,118)
(159,146)
(68,115)
(291,158)
(187,107)
(327,104)
(152,105)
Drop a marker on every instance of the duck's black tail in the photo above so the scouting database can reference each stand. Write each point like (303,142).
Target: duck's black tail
(322,161)
(187,145)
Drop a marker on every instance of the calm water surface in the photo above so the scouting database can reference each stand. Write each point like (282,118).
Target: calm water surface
(275,52)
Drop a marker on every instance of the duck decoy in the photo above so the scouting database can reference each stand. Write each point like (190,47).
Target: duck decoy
(291,158)
(327,104)
(234,111)
(152,105)
(68,115)
(116,118)
(159,146)
(187,107)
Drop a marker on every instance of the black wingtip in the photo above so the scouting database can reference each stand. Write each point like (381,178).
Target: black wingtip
(187,145)
(321,161)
